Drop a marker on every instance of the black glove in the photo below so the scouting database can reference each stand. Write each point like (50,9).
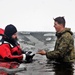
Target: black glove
(29,56)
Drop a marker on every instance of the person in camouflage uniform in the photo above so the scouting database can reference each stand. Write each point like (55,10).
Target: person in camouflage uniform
(64,46)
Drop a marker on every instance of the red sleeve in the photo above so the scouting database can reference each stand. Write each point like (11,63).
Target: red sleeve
(5,52)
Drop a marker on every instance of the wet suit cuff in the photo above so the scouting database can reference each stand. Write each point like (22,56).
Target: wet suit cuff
(24,57)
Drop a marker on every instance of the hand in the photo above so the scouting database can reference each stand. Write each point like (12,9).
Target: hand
(29,56)
(42,52)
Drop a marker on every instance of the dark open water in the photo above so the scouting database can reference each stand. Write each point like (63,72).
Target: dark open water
(41,65)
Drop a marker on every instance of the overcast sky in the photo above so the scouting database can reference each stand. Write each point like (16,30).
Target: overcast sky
(36,15)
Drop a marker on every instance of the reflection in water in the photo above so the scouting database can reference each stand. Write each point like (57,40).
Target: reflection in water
(62,68)
(10,68)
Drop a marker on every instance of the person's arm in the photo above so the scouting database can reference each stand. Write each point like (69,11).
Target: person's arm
(6,54)
(16,50)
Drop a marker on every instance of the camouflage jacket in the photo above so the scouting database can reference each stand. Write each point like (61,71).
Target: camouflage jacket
(64,47)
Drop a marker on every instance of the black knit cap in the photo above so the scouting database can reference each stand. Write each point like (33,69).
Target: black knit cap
(10,30)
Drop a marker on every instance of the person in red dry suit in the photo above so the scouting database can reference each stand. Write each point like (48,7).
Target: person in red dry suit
(9,47)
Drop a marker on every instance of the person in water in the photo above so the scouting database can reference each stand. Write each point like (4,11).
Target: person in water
(64,46)
(10,49)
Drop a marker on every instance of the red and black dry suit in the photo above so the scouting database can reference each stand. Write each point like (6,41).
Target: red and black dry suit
(9,51)
(5,54)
